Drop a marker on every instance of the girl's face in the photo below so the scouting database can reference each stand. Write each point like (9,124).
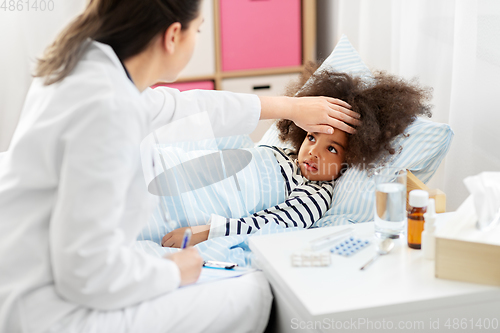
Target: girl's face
(321,156)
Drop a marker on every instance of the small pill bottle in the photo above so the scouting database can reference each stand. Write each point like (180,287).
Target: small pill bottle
(418,206)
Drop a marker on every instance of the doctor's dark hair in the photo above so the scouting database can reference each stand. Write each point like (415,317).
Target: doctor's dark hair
(128,26)
(387,105)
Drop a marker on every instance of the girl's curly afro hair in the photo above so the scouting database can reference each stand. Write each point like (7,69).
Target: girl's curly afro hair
(387,105)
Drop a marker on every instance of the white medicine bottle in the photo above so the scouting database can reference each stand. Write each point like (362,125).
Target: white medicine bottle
(428,235)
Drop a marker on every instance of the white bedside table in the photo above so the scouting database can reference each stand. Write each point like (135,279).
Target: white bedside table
(399,290)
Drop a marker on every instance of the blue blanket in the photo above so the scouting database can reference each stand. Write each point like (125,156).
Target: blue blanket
(230,249)
(258,186)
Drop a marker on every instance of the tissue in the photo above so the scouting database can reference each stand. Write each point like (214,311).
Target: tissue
(485,190)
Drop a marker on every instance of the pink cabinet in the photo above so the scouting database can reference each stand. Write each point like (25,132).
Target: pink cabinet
(182,86)
(260,34)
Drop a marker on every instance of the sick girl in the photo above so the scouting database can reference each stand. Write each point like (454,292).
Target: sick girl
(386,104)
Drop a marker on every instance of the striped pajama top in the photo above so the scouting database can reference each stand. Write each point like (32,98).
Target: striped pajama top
(306,202)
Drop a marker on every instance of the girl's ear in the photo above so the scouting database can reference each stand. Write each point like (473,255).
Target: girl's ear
(171,37)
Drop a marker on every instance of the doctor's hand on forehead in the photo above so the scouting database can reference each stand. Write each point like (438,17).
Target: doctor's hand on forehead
(313,114)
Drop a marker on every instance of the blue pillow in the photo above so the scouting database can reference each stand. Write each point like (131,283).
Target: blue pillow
(422,152)
(424,145)
(345,58)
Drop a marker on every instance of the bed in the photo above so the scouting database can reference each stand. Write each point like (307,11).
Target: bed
(422,148)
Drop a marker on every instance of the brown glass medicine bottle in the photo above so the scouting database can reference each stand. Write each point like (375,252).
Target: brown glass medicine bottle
(418,206)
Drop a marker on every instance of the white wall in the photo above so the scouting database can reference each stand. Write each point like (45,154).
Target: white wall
(24,34)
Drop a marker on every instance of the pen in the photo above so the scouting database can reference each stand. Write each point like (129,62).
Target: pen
(186,238)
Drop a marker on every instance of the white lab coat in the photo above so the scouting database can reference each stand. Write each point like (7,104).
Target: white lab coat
(73,196)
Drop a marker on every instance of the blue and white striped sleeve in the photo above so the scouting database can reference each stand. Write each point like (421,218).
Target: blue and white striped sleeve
(306,204)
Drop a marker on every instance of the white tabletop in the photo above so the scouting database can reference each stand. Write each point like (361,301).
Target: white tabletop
(401,277)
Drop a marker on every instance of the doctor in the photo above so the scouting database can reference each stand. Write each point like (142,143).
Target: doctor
(72,192)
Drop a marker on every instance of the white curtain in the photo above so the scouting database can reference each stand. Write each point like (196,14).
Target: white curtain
(24,34)
(450,45)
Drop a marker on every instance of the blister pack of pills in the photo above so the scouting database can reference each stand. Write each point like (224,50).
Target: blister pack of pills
(349,246)
(311,259)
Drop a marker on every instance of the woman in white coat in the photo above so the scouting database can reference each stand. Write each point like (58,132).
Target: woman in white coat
(72,191)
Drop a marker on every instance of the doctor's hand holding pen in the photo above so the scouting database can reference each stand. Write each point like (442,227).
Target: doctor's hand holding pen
(189,262)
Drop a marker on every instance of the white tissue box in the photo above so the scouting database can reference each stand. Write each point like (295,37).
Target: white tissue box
(464,253)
